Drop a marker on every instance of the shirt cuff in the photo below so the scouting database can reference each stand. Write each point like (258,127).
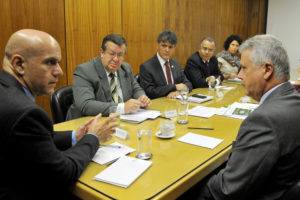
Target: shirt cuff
(121,108)
(74,141)
(217,82)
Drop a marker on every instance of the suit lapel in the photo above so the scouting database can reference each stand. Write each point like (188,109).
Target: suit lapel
(159,69)
(103,78)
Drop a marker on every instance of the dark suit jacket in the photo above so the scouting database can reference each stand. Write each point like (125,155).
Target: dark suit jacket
(91,90)
(265,157)
(197,71)
(31,162)
(153,81)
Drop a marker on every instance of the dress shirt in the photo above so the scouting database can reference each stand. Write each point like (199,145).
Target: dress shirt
(162,64)
(262,99)
(121,106)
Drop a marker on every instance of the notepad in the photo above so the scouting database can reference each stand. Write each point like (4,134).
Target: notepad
(124,171)
(107,153)
(140,115)
(200,140)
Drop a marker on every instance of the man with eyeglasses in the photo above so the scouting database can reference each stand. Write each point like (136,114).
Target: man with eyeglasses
(162,76)
(106,81)
(202,66)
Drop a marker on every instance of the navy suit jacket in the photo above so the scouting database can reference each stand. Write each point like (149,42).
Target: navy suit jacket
(197,71)
(33,165)
(153,81)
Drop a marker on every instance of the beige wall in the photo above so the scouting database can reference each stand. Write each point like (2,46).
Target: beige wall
(80,25)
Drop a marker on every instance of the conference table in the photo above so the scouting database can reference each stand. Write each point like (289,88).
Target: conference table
(176,166)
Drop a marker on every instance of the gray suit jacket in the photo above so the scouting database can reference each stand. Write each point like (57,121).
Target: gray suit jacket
(265,157)
(91,89)
(153,81)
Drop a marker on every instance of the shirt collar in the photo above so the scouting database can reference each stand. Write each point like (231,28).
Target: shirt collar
(28,93)
(161,60)
(263,98)
(107,73)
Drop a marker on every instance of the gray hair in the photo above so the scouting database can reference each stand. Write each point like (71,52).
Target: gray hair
(167,36)
(267,48)
(210,39)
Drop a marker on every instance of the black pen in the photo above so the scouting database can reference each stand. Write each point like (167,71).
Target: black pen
(200,128)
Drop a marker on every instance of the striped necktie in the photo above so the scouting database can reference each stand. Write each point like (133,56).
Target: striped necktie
(113,88)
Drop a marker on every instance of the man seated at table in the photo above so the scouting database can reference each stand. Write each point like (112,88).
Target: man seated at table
(265,158)
(203,65)
(37,162)
(162,76)
(106,81)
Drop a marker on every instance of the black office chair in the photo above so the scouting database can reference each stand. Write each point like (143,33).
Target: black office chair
(293,193)
(137,77)
(60,101)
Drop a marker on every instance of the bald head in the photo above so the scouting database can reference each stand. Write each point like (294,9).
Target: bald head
(33,57)
(28,43)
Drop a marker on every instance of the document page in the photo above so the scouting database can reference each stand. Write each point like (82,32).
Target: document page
(124,171)
(201,111)
(111,152)
(140,115)
(200,140)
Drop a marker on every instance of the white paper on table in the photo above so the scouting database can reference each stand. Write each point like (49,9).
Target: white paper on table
(234,79)
(200,140)
(107,153)
(224,87)
(201,111)
(140,115)
(230,110)
(124,171)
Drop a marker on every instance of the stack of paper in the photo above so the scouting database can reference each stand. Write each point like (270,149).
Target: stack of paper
(201,111)
(200,140)
(238,110)
(140,115)
(124,171)
(111,152)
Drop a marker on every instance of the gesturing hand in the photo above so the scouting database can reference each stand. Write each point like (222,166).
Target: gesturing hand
(103,129)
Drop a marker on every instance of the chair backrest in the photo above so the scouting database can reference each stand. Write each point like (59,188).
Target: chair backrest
(293,193)
(60,101)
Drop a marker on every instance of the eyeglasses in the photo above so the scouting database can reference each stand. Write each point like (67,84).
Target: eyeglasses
(113,55)
(207,49)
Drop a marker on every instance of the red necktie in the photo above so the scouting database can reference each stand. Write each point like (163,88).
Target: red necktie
(168,72)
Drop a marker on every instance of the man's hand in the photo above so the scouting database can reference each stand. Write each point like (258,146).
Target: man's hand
(180,86)
(173,95)
(144,100)
(83,130)
(103,129)
(132,105)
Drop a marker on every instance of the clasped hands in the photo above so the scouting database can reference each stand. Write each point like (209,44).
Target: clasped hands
(134,104)
(102,129)
(174,94)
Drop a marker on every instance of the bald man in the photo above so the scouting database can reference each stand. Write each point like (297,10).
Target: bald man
(36,162)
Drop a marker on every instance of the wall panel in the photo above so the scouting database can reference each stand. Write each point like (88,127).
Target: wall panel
(192,20)
(87,22)
(45,15)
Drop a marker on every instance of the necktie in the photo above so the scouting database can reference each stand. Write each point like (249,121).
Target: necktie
(113,88)
(168,72)
(207,68)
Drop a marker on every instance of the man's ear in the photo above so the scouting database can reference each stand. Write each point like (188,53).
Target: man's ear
(17,62)
(269,70)
(101,52)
